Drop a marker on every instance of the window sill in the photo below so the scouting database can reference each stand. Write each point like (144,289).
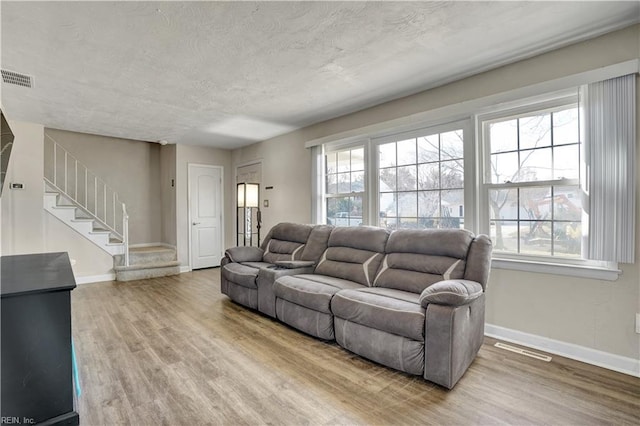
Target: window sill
(582,271)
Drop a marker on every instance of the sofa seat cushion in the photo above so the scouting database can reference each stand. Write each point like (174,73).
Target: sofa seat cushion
(240,274)
(393,311)
(311,291)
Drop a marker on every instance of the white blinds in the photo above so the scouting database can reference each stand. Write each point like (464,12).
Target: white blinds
(610,146)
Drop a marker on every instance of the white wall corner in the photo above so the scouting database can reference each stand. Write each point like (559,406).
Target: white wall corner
(591,356)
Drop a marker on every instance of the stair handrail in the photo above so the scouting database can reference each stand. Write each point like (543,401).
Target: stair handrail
(109,204)
(125,233)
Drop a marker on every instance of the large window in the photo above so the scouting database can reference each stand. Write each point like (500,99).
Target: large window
(421,181)
(344,186)
(531,181)
(517,175)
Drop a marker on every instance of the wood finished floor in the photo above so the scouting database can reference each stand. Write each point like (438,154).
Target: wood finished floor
(175,351)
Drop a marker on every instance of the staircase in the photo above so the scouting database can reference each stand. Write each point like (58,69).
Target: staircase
(85,203)
(146,262)
(74,216)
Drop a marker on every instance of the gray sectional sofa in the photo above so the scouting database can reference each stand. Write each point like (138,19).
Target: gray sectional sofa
(412,300)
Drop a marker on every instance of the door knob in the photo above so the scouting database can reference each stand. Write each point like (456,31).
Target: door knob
(196,223)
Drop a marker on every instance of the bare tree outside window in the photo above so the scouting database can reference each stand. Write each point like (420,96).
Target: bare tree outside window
(529,213)
(421,182)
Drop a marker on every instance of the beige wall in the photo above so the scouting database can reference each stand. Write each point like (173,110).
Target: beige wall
(286,165)
(168,193)
(186,154)
(26,227)
(22,209)
(131,168)
(591,313)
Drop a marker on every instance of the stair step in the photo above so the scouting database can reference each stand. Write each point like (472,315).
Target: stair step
(82,219)
(96,232)
(147,266)
(147,255)
(61,207)
(151,270)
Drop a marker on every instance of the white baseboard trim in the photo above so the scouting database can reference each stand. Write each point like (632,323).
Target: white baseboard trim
(602,359)
(88,279)
(185,269)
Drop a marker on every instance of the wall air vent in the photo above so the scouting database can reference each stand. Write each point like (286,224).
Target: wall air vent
(12,77)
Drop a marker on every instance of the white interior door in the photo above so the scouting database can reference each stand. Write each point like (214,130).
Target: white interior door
(205,208)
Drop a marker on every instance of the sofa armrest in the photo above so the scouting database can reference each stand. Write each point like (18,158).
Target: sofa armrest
(295,264)
(244,254)
(266,294)
(451,292)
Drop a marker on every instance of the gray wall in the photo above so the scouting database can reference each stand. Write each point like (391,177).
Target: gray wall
(587,312)
(131,168)
(168,193)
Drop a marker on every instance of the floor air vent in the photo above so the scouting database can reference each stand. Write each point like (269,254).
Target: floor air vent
(523,352)
(12,77)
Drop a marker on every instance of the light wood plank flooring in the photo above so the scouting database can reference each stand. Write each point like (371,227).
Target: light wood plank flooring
(175,351)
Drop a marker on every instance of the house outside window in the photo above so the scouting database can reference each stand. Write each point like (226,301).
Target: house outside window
(421,181)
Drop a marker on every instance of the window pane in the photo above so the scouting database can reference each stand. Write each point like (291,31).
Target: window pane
(535,238)
(535,203)
(428,149)
(535,131)
(504,235)
(503,203)
(568,239)
(429,176)
(407,180)
(451,145)
(387,180)
(535,165)
(452,174)
(332,185)
(388,205)
(387,154)
(357,182)
(567,203)
(407,152)
(504,167)
(408,223)
(344,183)
(452,209)
(566,127)
(357,159)
(503,136)
(566,162)
(344,161)
(330,163)
(407,204)
(344,211)
(428,203)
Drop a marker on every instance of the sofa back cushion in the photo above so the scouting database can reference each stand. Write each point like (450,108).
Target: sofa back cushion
(316,243)
(354,254)
(285,241)
(415,259)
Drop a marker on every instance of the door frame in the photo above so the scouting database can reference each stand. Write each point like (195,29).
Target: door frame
(235,187)
(222,206)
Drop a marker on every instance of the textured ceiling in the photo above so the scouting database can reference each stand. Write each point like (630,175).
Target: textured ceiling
(228,73)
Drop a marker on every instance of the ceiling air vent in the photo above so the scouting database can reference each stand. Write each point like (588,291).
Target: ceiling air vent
(12,77)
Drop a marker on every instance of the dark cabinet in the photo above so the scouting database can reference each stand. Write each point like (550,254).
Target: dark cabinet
(36,351)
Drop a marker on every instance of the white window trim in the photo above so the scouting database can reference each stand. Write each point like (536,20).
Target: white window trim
(522,262)
(470,216)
